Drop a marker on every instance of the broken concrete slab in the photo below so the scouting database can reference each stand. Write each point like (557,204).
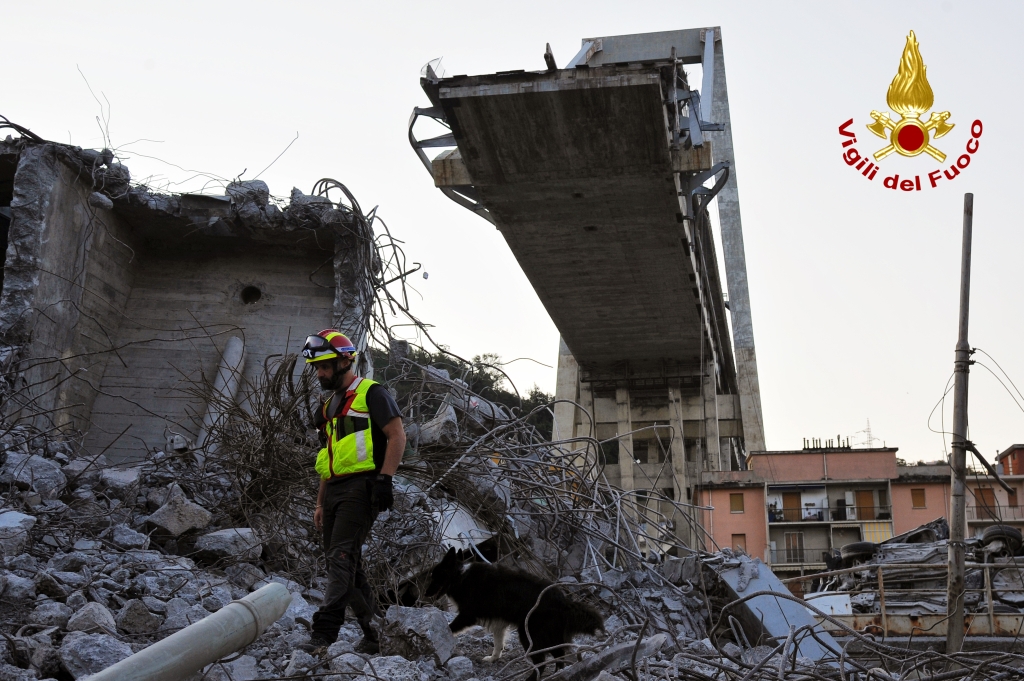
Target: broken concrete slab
(121,483)
(178,515)
(417,632)
(240,543)
(768,613)
(93,618)
(610,660)
(83,654)
(33,472)
(14,529)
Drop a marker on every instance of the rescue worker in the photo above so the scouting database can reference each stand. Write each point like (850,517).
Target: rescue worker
(362,428)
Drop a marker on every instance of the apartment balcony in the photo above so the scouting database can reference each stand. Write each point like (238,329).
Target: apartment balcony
(799,556)
(995,514)
(829,514)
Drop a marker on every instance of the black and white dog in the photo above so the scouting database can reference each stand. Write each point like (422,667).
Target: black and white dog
(497,598)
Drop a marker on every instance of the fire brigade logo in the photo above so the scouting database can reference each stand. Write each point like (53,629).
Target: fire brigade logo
(910,96)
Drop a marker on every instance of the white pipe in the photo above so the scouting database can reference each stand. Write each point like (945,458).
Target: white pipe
(231,628)
(225,385)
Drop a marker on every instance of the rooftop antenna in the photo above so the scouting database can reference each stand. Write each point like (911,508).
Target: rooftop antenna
(869,439)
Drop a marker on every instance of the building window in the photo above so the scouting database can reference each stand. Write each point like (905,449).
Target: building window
(739,541)
(917,498)
(736,503)
(794,547)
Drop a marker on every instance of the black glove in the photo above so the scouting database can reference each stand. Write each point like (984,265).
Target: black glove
(382,498)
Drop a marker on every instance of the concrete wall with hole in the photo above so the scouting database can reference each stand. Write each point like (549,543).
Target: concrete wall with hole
(116,315)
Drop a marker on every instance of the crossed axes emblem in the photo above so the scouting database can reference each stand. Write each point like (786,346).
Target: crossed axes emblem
(909,136)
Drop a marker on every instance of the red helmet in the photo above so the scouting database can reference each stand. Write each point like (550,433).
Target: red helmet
(328,344)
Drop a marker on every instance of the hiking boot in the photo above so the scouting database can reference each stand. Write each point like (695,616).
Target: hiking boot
(317,646)
(368,646)
(370,643)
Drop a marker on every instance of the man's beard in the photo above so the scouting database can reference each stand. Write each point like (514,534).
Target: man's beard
(334,382)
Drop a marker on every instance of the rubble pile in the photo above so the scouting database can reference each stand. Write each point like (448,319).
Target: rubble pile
(100,558)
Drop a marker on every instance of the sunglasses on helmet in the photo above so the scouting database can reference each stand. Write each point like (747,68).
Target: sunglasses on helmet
(316,346)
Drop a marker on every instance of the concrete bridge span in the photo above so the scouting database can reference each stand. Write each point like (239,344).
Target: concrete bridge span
(598,175)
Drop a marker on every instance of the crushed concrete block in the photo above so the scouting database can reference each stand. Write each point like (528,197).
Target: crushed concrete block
(244,668)
(33,472)
(417,632)
(18,589)
(46,584)
(101,201)
(244,574)
(300,611)
(93,618)
(179,515)
(240,542)
(244,191)
(459,668)
(76,601)
(8,672)
(73,580)
(14,529)
(135,618)
(155,605)
(342,663)
(393,668)
(68,562)
(121,483)
(125,537)
(83,654)
(44,657)
(180,614)
(51,614)
(300,661)
(84,471)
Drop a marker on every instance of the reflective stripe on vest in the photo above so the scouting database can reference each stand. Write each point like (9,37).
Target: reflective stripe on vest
(349,435)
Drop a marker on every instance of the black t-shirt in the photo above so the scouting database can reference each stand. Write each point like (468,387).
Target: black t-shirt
(382,408)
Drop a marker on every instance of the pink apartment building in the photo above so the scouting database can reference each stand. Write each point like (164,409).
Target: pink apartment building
(792,508)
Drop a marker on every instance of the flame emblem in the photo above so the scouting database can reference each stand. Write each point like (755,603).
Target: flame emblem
(910,96)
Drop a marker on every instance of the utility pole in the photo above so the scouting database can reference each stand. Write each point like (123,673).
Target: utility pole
(958,464)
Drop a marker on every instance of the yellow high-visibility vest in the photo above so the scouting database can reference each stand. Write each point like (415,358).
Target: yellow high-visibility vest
(349,437)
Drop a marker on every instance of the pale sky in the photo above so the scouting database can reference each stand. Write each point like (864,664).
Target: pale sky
(853,287)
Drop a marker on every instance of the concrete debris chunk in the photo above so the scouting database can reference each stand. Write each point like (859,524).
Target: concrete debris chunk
(18,589)
(9,672)
(300,611)
(51,614)
(33,472)
(48,585)
(393,668)
(135,618)
(300,661)
(97,200)
(459,668)
(126,538)
(84,471)
(83,654)
(240,543)
(179,515)
(417,632)
(243,668)
(180,614)
(610,660)
(92,618)
(244,575)
(344,663)
(121,483)
(14,529)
